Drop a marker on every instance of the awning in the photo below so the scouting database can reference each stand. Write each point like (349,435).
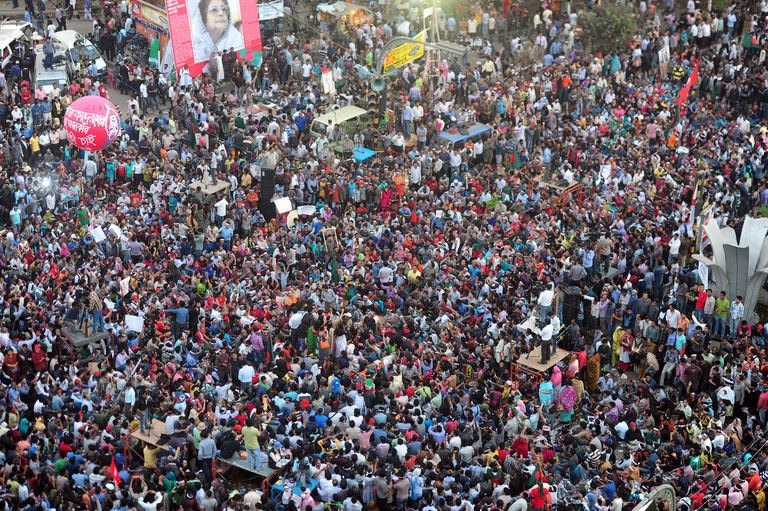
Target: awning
(339,9)
(363,153)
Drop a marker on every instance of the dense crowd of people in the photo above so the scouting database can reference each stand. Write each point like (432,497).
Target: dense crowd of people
(364,350)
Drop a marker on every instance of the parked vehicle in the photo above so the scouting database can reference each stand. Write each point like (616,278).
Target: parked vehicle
(350,119)
(10,34)
(50,77)
(78,51)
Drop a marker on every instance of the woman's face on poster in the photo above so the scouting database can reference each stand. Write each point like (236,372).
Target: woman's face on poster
(216,18)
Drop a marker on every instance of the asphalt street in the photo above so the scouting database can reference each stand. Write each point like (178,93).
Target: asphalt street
(83,26)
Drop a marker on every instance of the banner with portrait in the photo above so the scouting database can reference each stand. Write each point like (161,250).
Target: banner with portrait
(202,29)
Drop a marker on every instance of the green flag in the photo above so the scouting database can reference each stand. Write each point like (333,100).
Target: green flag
(154,54)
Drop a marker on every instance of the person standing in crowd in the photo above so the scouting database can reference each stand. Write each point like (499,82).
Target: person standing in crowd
(368,344)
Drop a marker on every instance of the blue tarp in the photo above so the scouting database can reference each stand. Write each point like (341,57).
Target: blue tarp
(474,131)
(362,153)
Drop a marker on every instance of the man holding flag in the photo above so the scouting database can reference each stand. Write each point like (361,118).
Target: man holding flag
(693,79)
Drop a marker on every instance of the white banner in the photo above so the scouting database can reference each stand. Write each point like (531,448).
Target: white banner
(704,274)
(98,234)
(134,323)
(271,10)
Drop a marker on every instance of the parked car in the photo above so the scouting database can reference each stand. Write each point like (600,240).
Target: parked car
(50,77)
(78,51)
(10,36)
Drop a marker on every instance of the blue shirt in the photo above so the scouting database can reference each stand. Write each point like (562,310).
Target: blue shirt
(182,315)
(610,490)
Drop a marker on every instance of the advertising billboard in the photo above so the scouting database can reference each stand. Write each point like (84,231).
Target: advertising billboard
(405,53)
(203,28)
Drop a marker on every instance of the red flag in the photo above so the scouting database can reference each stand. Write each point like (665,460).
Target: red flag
(682,94)
(114,472)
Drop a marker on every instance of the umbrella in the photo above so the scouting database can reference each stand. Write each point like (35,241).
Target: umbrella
(307,210)
(295,319)
(726,394)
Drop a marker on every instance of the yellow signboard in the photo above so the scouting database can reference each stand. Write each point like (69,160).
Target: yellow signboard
(404,54)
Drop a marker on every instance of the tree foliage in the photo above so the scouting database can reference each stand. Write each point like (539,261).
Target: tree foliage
(608,28)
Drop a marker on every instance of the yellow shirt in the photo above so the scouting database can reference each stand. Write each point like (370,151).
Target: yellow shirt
(34,144)
(150,456)
(251,437)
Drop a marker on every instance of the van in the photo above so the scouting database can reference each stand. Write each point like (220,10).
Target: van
(460,137)
(10,34)
(350,118)
(50,77)
(78,50)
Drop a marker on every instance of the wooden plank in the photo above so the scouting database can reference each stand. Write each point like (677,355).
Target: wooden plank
(78,338)
(152,436)
(532,361)
(242,463)
(208,188)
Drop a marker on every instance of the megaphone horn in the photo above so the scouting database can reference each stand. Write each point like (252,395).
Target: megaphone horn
(378,84)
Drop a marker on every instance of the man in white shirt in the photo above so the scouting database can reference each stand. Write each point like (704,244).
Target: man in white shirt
(245,377)
(221,210)
(736,314)
(672,317)
(386,275)
(170,423)
(545,303)
(674,247)
(621,429)
(143,95)
(129,399)
(546,334)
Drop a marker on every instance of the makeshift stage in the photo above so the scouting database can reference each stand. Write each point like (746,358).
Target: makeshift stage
(206,186)
(79,339)
(242,463)
(152,435)
(531,365)
(225,466)
(567,192)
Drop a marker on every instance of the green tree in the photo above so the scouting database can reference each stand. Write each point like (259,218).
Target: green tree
(608,28)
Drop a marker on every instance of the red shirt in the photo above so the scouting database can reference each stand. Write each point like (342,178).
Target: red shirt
(701,299)
(521,447)
(539,497)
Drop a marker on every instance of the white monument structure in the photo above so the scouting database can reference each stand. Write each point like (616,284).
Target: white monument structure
(738,266)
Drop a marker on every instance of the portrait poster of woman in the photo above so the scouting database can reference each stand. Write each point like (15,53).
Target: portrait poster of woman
(215,26)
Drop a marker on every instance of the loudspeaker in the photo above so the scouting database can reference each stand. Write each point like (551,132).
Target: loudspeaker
(571,301)
(266,206)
